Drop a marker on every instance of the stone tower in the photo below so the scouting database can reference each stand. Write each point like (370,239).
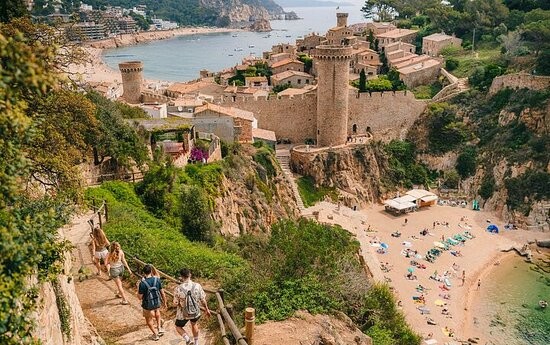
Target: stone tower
(341,19)
(332,66)
(132,80)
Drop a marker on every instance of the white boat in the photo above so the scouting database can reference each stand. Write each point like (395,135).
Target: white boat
(238,49)
(234,35)
(251,46)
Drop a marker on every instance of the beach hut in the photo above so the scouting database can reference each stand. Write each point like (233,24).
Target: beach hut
(399,206)
(422,197)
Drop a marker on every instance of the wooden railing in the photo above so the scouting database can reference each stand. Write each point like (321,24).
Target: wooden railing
(96,180)
(223,313)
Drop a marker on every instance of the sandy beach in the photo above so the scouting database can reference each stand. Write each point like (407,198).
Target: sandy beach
(95,70)
(477,257)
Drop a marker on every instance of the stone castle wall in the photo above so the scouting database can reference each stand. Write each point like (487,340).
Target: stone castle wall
(519,81)
(389,115)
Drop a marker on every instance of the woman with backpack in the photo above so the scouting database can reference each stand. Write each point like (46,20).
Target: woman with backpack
(188,297)
(115,266)
(100,243)
(151,294)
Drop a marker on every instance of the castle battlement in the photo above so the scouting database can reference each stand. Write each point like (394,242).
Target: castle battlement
(330,52)
(130,66)
(132,80)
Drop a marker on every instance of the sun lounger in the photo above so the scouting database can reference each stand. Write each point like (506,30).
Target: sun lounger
(451,241)
(468,235)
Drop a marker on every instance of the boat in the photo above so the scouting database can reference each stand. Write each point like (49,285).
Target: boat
(230,54)
(238,49)
(251,46)
(543,304)
(288,36)
(234,35)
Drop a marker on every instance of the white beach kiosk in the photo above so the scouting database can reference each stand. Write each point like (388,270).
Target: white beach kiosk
(411,201)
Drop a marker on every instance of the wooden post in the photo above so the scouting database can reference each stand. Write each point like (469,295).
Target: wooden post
(106,211)
(249,319)
(93,204)
(229,308)
(133,177)
(220,291)
(100,221)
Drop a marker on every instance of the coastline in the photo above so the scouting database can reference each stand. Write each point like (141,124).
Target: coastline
(95,70)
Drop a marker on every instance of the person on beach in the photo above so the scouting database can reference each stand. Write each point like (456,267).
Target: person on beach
(151,294)
(479,284)
(115,266)
(100,243)
(188,296)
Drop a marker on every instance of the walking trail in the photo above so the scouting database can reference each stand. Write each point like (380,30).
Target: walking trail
(116,323)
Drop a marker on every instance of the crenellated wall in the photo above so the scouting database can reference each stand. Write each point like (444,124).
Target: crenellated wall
(389,115)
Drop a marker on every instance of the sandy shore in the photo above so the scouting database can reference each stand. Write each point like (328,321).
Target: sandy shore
(95,70)
(477,260)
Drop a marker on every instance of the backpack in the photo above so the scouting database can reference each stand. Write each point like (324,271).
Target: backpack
(151,299)
(191,306)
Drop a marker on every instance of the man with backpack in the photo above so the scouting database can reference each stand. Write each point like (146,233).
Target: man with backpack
(151,294)
(188,297)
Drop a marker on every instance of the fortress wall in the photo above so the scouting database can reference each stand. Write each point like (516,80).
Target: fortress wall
(388,114)
(292,118)
(519,81)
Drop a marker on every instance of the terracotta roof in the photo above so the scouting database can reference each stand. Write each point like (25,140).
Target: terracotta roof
(380,24)
(285,62)
(229,111)
(187,87)
(411,61)
(256,79)
(397,33)
(263,134)
(288,74)
(438,37)
(293,91)
(419,66)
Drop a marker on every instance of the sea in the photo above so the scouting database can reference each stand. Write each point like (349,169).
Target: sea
(507,309)
(181,58)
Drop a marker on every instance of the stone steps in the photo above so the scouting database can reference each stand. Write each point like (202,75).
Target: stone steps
(283,157)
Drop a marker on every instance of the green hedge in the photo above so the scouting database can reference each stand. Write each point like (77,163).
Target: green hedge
(154,241)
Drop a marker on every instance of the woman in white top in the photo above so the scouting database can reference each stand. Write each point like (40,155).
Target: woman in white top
(100,243)
(115,265)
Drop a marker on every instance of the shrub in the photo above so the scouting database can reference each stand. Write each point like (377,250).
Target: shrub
(312,194)
(155,241)
(482,77)
(487,187)
(195,215)
(445,131)
(532,185)
(451,64)
(264,157)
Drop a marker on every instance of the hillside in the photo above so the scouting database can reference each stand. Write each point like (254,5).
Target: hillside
(201,12)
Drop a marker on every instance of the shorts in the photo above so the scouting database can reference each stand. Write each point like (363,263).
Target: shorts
(115,272)
(182,323)
(101,255)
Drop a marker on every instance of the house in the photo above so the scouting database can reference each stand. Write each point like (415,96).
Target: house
(396,35)
(287,65)
(432,44)
(279,57)
(378,28)
(368,60)
(264,135)
(257,82)
(295,78)
(228,123)
(399,50)
(309,42)
(423,73)
(291,91)
(422,197)
(155,110)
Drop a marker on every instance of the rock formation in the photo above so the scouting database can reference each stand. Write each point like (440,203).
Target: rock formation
(241,12)
(261,25)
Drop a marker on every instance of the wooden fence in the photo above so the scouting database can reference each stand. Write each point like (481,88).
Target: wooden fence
(96,180)
(224,312)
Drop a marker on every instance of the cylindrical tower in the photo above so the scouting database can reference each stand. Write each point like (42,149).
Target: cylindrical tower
(132,80)
(332,64)
(341,19)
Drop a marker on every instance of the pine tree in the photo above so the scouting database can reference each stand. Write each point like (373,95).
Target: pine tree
(362,81)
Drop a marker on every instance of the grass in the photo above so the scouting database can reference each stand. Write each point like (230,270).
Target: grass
(468,61)
(312,194)
(426,91)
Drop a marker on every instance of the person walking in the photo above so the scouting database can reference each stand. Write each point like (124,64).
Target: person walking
(479,284)
(188,296)
(115,266)
(151,294)
(100,243)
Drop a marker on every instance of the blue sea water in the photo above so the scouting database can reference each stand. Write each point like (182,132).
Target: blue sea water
(181,58)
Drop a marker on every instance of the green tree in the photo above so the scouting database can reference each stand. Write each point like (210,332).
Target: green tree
(142,23)
(380,10)
(10,9)
(466,162)
(482,77)
(195,215)
(379,84)
(362,81)
(451,64)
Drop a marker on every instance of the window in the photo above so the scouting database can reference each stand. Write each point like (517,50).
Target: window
(307,81)
(299,81)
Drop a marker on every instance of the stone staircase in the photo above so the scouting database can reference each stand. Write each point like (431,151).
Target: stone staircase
(283,156)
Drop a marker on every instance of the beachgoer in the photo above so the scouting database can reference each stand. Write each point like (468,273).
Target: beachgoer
(151,294)
(399,303)
(100,243)
(115,265)
(187,297)
(479,284)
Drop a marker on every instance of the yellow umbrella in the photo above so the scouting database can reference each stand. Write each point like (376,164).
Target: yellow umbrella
(439,303)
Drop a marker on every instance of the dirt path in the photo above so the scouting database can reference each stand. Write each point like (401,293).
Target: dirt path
(116,323)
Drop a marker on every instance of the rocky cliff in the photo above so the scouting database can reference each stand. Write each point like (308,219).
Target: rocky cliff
(356,171)
(241,13)
(254,193)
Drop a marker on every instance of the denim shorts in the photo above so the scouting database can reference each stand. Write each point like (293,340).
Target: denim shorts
(116,271)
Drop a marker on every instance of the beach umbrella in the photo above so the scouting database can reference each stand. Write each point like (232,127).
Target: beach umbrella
(410,269)
(439,303)
(384,245)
